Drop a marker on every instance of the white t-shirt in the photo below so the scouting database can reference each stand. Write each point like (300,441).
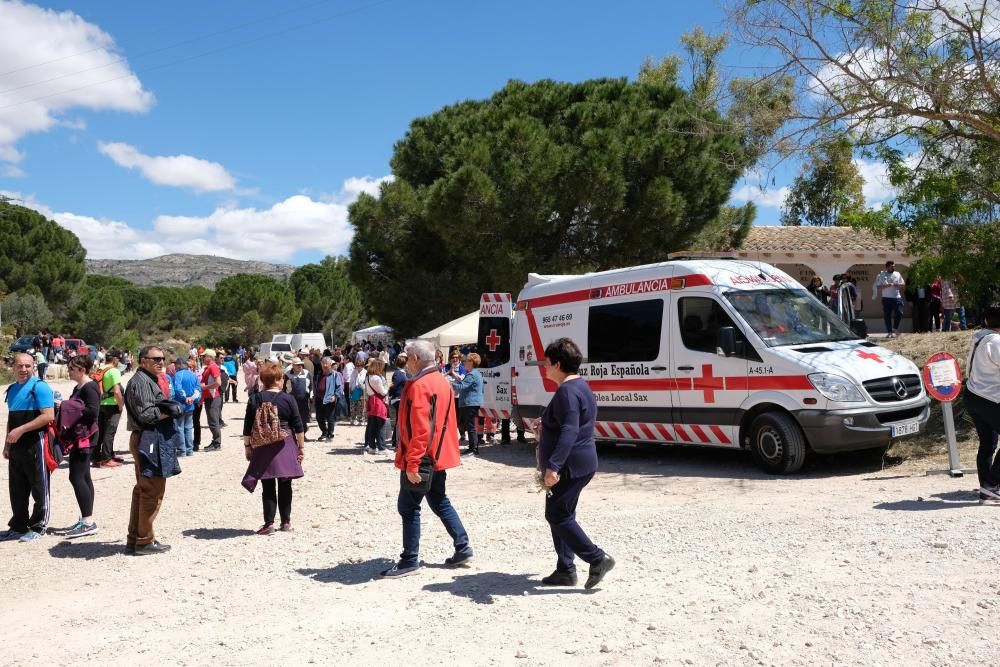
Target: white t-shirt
(984,369)
(893,278)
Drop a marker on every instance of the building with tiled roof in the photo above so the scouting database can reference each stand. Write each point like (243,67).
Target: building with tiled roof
(804,252)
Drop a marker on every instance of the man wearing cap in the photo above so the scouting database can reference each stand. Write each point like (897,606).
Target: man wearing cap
(212,400)
(298,384)
(309,365)
(112,404)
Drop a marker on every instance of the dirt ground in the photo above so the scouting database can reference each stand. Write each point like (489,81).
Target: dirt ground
(718,564)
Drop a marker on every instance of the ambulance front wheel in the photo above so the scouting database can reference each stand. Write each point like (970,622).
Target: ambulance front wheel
(777,443)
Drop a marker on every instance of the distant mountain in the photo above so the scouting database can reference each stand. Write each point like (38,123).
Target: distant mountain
(183,270)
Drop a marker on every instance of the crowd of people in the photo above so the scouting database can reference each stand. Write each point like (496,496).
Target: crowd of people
(422,410)
(936,306)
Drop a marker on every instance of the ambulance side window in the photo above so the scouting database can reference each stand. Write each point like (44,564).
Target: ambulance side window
(700,319)
(627,331)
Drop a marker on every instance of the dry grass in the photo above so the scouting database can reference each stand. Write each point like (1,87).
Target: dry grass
(932,442)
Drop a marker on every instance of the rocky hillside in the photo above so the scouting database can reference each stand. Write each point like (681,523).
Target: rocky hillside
(183,270)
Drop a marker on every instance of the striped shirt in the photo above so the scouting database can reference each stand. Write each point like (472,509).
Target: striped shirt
(141,396)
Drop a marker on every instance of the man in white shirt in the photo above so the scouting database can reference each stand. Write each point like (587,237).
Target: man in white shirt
(889,285)
(982,400)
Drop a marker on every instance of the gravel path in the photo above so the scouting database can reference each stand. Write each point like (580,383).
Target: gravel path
(718,564)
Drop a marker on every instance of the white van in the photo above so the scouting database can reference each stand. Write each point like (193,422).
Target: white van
(282,338)
(270,349)
(719,352)
(310,340)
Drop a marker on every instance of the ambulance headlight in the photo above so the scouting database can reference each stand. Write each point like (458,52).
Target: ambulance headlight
(836,388)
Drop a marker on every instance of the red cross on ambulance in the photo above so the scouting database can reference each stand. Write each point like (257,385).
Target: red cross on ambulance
(869,355)
(493,340)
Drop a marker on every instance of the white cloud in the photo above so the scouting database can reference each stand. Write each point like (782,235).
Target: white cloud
(49,62)
(182,171)
(354,186)
(766,197)
(877,188)
(272,234)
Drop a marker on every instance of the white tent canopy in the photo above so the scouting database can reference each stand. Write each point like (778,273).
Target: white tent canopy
(461,331)
(379,332)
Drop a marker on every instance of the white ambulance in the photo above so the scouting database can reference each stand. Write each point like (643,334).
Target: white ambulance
(719,352)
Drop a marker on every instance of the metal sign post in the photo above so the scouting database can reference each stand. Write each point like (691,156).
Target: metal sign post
(943,379)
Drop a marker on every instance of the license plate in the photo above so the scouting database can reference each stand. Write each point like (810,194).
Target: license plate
(907,428)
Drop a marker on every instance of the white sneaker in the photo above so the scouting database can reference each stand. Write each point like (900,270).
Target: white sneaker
(989,493)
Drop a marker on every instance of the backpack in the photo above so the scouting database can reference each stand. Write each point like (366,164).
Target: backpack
(53,450)
(266,428)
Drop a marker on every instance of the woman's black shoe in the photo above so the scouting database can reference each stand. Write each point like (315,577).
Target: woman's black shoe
(598,570)
(560,578)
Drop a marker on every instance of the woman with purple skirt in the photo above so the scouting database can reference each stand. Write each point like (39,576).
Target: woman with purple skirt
(275,466)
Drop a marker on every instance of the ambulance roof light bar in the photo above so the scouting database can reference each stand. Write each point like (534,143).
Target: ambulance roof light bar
(701,254)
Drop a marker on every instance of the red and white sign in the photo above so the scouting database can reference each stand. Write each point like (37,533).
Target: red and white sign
(943,377)
(493,304)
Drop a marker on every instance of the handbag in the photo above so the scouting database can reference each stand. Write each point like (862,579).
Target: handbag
(426,466)
(376,406)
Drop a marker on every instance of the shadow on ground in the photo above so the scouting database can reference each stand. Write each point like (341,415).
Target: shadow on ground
(485,587)
(681,461)
(86,550)
(938,501)
(348,574)
(216,533)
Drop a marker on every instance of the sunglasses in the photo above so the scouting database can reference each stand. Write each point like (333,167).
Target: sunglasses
(156,360)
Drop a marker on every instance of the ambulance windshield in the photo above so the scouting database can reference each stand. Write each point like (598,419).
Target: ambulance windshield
(788,317)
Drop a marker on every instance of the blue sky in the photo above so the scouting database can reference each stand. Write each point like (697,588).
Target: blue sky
(245,128)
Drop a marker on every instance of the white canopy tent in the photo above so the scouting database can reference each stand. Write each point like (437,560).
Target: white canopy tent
(461,331)
(375,334)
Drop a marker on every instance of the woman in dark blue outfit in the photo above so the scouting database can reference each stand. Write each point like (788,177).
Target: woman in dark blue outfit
(568,456)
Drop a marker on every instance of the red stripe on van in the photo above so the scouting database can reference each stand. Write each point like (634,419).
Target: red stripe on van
(664,432)
(536,341)
(681,433)
(631,431)
(614,429)
(652,384)
(647,432)
(600,429)
(700,433)
(757,383)
(691,280)
(721,435)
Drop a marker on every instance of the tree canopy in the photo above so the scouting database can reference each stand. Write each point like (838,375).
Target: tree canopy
(37,253)
(830,190)
(547,177)
(914,84)
(328,299)
(272,301)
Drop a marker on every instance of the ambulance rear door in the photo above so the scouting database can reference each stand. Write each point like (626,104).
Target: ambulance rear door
(494,346)
(710,387)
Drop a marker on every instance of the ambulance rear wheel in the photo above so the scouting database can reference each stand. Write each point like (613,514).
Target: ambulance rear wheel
(777,443)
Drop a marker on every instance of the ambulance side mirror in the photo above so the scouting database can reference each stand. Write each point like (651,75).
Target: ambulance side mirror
(727,341)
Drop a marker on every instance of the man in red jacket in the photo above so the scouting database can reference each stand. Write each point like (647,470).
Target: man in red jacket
(426,427)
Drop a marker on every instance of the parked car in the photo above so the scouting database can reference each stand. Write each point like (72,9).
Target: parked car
(81,347)
(22,344)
